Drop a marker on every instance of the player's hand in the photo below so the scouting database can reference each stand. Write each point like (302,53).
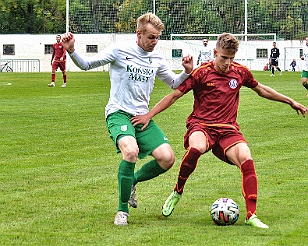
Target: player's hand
(299,108)
(141,119)
(188,63)
(68,42)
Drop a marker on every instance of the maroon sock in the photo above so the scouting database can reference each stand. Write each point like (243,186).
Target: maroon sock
(188,165)
(53,77)
(249,187)
(64,78)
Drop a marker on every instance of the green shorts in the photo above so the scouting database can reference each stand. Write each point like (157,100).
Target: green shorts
(305,74)
(119,125)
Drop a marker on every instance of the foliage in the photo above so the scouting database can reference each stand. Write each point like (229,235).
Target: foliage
(288,19)
(27,16)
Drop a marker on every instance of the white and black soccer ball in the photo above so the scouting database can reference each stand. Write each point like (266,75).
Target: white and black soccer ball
(224,211)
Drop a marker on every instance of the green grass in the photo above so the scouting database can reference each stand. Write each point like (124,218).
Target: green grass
(58,178)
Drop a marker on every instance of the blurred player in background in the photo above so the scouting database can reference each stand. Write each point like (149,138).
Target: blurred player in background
(305,69)
(213,126)
(293,65)
(274,59)
(205,54)
(58,59)
(133,68)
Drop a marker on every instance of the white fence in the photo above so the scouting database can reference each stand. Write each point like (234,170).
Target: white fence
(33,47)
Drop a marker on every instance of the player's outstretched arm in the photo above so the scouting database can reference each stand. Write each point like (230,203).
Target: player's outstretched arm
(165,103)
(271,94)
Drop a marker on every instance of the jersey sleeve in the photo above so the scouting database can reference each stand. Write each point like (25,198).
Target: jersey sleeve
(187,85)
(249,80)
(108,55)
(170,78)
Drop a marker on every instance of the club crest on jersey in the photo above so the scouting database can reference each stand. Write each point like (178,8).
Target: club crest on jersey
(233,83)
(124,128)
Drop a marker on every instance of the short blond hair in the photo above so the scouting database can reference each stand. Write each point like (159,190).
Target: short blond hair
(151,18)
(227,42)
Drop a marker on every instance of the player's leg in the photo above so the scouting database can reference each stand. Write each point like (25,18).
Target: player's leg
(273,68)
(198,144)
(129,150)
(123,134)
(304,80)
(63,69)
(278,68)
(151,141)
(164,159)
(239,154)
(54,68)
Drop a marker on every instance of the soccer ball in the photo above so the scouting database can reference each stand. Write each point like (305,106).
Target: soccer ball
(224,211)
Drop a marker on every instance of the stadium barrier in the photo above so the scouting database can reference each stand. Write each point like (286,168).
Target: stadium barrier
(20,65)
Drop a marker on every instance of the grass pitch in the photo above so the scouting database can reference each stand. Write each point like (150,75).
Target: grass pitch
(59,168)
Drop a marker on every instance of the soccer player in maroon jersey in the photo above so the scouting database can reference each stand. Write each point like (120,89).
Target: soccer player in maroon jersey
(58,59)
(212,125)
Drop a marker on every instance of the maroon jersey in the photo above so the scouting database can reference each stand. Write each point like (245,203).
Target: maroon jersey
(58,52)
(216,96)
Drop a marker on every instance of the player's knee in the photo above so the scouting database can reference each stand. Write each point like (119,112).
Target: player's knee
(169,161)
(130,153)
(166,159)
(164,155)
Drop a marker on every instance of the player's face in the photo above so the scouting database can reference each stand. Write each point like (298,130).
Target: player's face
(205,42)
(223,60)
(58,39)
(147,40)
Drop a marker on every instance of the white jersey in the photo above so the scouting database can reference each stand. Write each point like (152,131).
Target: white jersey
(205,55)
(132,75)
(305,54)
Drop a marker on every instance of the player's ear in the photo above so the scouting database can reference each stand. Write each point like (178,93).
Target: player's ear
(215,52)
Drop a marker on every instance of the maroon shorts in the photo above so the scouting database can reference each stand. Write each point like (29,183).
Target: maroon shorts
(220,139)
(60,64)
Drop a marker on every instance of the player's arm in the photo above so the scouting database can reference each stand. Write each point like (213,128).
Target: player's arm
(63,55)
(53,53)
(199,57)
(173,80)
(271,94)
(165,103)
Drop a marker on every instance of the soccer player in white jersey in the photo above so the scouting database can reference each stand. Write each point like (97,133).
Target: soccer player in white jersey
(305,68)
(133,68)
(205,54)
